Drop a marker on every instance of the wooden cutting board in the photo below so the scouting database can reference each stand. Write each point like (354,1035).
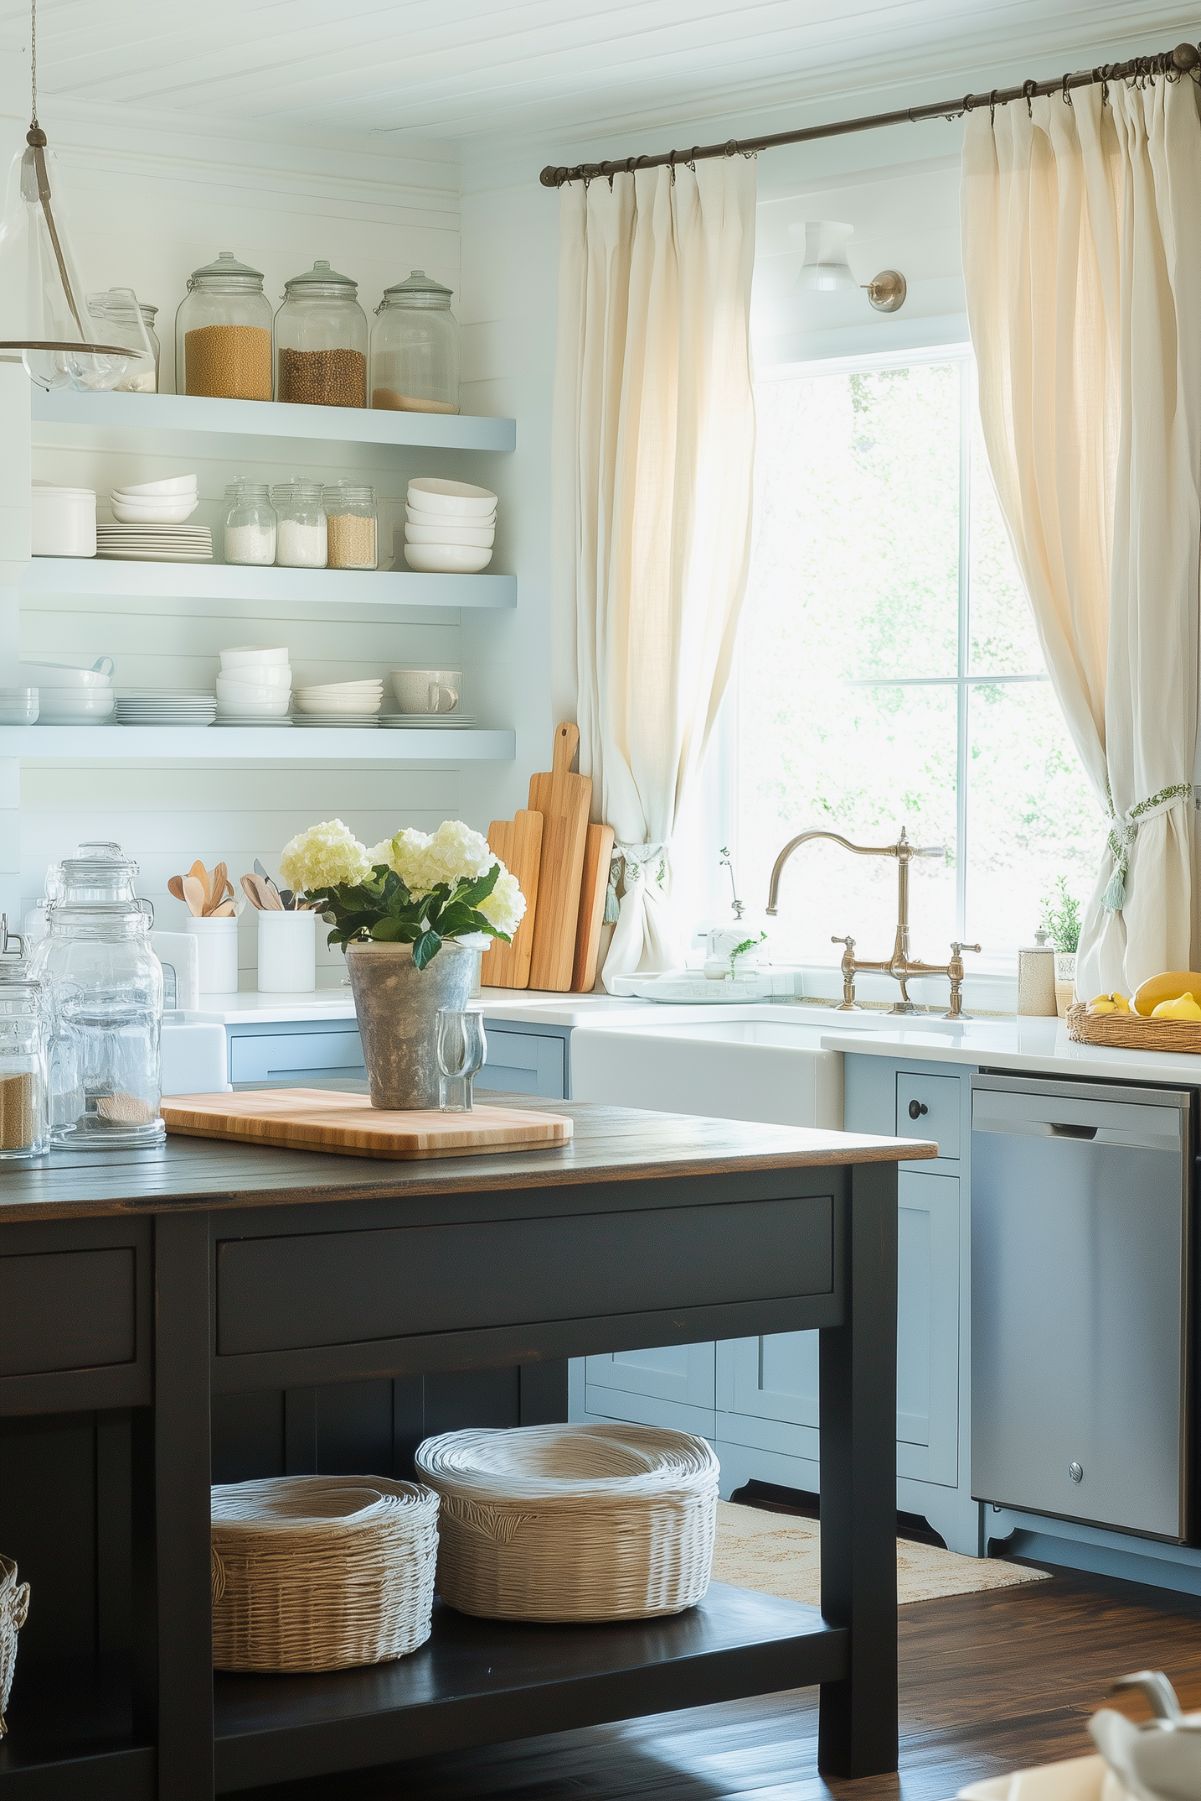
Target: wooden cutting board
(322,1119)
(518,844)
(598,853)
(564,801)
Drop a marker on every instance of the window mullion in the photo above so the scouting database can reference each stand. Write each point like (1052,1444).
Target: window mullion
(962,691)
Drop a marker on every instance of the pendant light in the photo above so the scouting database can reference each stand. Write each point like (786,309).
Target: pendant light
(56,338)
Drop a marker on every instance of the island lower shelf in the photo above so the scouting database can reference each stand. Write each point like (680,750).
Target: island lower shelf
(479,1682)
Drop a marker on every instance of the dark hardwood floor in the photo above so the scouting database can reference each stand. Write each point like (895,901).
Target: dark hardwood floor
(989,1683)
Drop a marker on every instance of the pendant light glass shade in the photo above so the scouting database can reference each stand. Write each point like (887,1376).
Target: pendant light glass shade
(44,318)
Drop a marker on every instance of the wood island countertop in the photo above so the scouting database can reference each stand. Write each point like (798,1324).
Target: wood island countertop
(611,1144)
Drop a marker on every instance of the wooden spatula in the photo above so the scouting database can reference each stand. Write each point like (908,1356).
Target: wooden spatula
(564,800)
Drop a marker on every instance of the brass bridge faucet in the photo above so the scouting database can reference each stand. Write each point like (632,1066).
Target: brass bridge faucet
(901,966)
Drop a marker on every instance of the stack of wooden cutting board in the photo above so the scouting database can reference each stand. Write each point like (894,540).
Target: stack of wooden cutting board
(561,861)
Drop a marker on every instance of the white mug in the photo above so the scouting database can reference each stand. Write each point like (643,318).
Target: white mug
(427,690)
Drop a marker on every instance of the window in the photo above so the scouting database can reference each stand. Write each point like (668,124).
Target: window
(890,674)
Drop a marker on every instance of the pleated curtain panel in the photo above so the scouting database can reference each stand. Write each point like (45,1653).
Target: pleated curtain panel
(1082,259)
(654,445)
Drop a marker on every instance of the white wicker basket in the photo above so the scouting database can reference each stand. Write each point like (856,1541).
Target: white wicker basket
(321,1572)
(606,1522)
(14,1611)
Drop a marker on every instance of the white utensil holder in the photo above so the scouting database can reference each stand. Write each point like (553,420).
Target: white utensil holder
(287,952)
(217,950)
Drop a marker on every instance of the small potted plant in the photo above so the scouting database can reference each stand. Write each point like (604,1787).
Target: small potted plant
(412,914)
(1061,923)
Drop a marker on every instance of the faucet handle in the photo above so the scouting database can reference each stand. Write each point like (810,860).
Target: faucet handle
(958,949)
(930,850)
(849,942)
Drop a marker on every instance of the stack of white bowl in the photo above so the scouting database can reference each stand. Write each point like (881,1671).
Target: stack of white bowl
(341,703)
(68,695)
(449,527)
(168,502)
(254,685)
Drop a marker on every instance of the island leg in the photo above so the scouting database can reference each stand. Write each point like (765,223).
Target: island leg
(858,1733)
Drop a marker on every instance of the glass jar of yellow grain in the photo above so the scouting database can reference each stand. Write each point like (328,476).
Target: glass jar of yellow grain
(415,348)
(321,340)
(223,333)
(22,1052)
(353,526)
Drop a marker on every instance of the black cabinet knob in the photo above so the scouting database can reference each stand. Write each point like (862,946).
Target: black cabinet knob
(917,1108)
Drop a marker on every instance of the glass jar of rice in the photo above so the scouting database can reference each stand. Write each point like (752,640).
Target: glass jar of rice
(353,526)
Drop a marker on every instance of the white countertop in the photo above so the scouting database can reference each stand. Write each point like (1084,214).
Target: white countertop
(512,1006)
(1018,1044)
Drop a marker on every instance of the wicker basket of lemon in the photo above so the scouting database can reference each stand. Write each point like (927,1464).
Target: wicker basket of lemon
(1163,1015)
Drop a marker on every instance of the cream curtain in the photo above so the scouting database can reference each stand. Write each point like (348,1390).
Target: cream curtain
(654,441)
(1082,259)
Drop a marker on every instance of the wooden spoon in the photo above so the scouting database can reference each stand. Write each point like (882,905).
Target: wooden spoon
(250,888)
(175,887)
(226,910)
(220,887)
(196,895)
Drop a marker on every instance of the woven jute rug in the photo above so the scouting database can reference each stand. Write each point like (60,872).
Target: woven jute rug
(779,1554)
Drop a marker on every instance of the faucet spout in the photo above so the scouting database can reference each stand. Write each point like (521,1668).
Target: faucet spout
(856,850)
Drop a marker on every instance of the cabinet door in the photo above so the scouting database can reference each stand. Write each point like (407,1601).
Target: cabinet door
(524,1063)
(770,1385)
(682,1373)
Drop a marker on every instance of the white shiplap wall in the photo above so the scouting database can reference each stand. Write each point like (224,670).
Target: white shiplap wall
(145,210)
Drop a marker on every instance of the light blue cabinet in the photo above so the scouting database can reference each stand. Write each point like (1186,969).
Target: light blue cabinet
(521,1061)
(305,1053)
(673,1386)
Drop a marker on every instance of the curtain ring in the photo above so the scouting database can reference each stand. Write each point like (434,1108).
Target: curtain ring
(968,102)
(690,159)
(1028,90)
(731,148)
(992,109)
(671,163)
(1064,95)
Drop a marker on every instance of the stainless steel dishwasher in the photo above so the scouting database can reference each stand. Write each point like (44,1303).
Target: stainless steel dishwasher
(1081,1301)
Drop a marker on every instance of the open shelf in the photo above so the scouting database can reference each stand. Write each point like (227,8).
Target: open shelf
(70,1735)
(243,744)
(231,581)
(479,1682)
(144,418)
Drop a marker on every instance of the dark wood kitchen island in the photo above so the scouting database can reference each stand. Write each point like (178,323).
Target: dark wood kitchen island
(144,1297)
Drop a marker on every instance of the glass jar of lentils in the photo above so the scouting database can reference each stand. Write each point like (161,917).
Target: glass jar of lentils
(223,332)
(353,526)
(321,340)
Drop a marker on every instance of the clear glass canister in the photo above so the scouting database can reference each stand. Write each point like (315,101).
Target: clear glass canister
(415,348)
(302,536)
(353,526)
(103,987)
(250,523)
(115,308)
(223,332)
(22,1053)
(321,340)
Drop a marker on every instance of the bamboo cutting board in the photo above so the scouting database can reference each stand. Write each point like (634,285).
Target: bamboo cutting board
(322,1119)
(598,853)
(518,844)
(564,801)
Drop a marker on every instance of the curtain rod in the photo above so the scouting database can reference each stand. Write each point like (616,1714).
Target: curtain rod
(1183,60)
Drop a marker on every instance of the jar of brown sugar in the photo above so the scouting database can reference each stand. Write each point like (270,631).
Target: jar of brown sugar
(353,528)
(223,332)
(321,340)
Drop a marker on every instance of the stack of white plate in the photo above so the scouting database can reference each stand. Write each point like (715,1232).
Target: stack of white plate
(444,722)
(449,527)
(155,543)
(341,703)
(168,502)
(166,706)
(254,685)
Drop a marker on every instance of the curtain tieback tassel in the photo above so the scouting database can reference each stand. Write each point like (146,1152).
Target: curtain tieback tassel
(634,860)
(1123,830)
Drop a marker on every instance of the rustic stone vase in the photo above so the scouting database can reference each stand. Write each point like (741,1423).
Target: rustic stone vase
(397,1006)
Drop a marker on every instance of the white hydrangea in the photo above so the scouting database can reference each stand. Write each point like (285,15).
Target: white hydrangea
(424,859)
(504,908)
(324,856)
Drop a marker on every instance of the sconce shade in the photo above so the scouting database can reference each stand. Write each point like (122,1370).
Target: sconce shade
(825,267)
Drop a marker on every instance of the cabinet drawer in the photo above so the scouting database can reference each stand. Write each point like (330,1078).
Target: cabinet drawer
(928,1107)
(294,1056)
(68,1310)
(524,1063)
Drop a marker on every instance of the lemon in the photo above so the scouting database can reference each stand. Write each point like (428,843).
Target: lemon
(1168,986)
(1183,1007)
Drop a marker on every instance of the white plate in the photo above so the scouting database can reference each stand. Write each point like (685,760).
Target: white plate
(232,719)
(154,556)
(323,722)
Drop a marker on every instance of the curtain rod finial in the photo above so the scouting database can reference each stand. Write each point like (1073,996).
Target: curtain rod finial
(551,177)
(1186,56)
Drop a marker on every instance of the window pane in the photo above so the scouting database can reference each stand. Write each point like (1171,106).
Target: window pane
(1003,638)
(855,760)
(1031,814)
(857,521)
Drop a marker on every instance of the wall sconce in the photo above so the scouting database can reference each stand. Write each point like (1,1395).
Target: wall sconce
(826,267)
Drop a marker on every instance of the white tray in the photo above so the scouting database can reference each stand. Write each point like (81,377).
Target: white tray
(1079,1779)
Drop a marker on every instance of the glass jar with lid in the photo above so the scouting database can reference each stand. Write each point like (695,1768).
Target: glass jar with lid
(321,340)
(415,348)
(353,526)
(130,321)
(103,987)
(223,332)
(301,537)
(22,1052)
(250,524)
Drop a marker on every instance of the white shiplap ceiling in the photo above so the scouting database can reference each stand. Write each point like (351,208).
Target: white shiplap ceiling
(462,69)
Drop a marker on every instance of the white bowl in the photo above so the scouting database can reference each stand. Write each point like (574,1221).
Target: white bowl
(261,675)
(139,513)
(456,499)
(171,484)
(349,688)
(447,559)
(475,522)
(62,522)
(480,537)
(245,656)
(364,703)
(69,675)
(65,706)
(253,706)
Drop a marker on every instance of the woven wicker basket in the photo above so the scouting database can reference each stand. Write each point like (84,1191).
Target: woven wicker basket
(602,1522)
(321,1572)
(1131,1032)
(14,1611)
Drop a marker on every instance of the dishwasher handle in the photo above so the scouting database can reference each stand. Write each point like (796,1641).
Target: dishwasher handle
(1071,1113)
(1059,1129)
